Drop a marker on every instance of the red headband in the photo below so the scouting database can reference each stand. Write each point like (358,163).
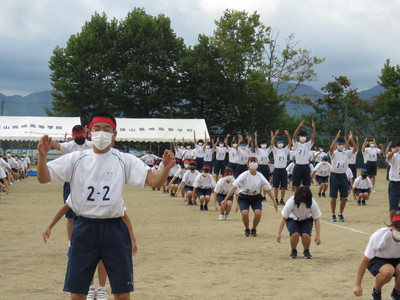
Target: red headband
(102,119)
(78,132)
(396,218)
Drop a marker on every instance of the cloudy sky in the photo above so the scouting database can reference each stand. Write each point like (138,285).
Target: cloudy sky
(355,36)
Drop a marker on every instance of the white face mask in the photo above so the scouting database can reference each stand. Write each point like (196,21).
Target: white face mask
(101,139)
(180,147)
(234,145)
(280,145)
(200,144)
(186,166)
(253,166)
(340,147)
(221,145)
(396,234)
(229,178)
(321,150)
(263,146)
(302,139)
(372,145)
(207,147)
(188,147)
(8,155)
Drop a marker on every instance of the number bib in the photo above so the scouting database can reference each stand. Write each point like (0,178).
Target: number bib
(99,193)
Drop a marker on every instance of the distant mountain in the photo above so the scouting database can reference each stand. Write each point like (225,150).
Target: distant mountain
(32,105)
(369,94)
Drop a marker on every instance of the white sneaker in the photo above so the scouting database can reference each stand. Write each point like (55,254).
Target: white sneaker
(102,295)
(227,217)
(91,295)
(373,190)
(221,217)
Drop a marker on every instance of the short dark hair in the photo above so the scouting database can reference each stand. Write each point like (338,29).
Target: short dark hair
(303,194)
(105,115)
(77,128)
(302,133)
(340,140)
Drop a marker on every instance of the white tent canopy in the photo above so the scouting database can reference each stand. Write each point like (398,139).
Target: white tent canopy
(141,130)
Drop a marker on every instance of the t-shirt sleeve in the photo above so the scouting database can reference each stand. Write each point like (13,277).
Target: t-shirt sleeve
(65,148)
(60,169)
(287,209)
(238,180)
(373,245)
(265,184)
(315,211)
(196,181)
(136,171)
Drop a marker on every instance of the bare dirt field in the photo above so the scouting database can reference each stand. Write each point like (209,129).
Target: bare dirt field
(185,253)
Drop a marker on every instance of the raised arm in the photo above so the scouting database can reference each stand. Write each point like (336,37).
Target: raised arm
(157,180)
(333,145)
(351,141)
(289,139)
(43,174)
(296,132)
(314,131)
(273,137)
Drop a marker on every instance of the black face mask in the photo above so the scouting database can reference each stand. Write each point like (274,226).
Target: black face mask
(364,176)
(192,168)
(80,140)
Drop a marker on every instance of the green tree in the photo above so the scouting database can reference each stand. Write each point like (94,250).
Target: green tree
(385,105)
(127,67)
(341,108)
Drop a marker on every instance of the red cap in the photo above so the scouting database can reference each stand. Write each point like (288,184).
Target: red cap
(150,151)
(206,168)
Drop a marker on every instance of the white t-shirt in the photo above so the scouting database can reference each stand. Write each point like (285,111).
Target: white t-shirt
(349,174)
(97,180)
(340,161)
(149,158)
(322,169)
(290,210)
(319,155)
(361,183)
(312,155)
(188,154)
(280,157)
(208,154)
(302,152)
(179,151)
(233,155)
(394,162)
(220,153)
(4,165)
(174,170)
(2,173)
(263,155)
(243,155)
(71,146)
(180,173)
(371,154)
(189,177)
(199,152)
(381,244)
(249,184)
(204,182)
(290,168)
(353,158)
(12,162)
(223,186)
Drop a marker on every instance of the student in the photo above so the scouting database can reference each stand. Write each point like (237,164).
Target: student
(301,171)
(177,179)
(394,180)
(232,153)
(172,188)
(208,154)
(199,151)
(262,152)
(149,158)
(321,173)
(289,170)
(362,188)
(188,153)
(202,187)
(179,149)
(299,214)
(280,175)
(187,183)
(318,155)
(370,152)
(220,154)
(97,177)
(338,179)
(243,152)
(252,185)
(382,259)
(220,191)
(353,160)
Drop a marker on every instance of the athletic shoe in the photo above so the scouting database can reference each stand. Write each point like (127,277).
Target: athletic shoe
(201,207)
(246,232)
(341,218)
(221,217)
(102,295)
(319,195)
(363,203)
(376,295)
(91,295)
(165,192)
(395,295)
(333,218)
(227,217)
(293,254)
(277,202)
(205,207)
(190,202)
(358,202)
(307,254)
(373,190)
(282,202)
(253,232)
(323,195)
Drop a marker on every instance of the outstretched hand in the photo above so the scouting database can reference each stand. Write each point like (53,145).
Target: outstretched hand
(44,145)
(168,159)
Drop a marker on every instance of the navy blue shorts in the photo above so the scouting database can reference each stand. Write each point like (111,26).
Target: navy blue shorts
(353,169)
(376,263)
(360,191)
(338,182)
(169,178)
(203,192)
(95,239)
(264,169)
(280,178)
(371,167)
(188,188)
(245,202)
(240,169)
(199,163)
(394,195)
(177,180)
(221,197)
(233,167)
(304,226)
(219,167)
(322,179)
(66,191)
(301,175)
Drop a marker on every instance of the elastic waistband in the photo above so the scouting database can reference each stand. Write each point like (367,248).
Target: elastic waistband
(92,220)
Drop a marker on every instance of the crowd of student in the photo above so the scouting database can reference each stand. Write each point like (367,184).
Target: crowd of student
(13,168)
(241,168)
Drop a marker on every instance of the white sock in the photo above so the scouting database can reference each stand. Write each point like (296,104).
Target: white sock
(102,288)
(92,288)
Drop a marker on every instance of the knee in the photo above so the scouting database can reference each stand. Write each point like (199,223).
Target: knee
(295,235)
(257,212)
(387,273)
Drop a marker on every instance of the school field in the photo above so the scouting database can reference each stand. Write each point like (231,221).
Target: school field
(187,254)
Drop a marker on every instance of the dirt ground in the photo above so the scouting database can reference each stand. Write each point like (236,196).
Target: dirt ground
(188,254)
